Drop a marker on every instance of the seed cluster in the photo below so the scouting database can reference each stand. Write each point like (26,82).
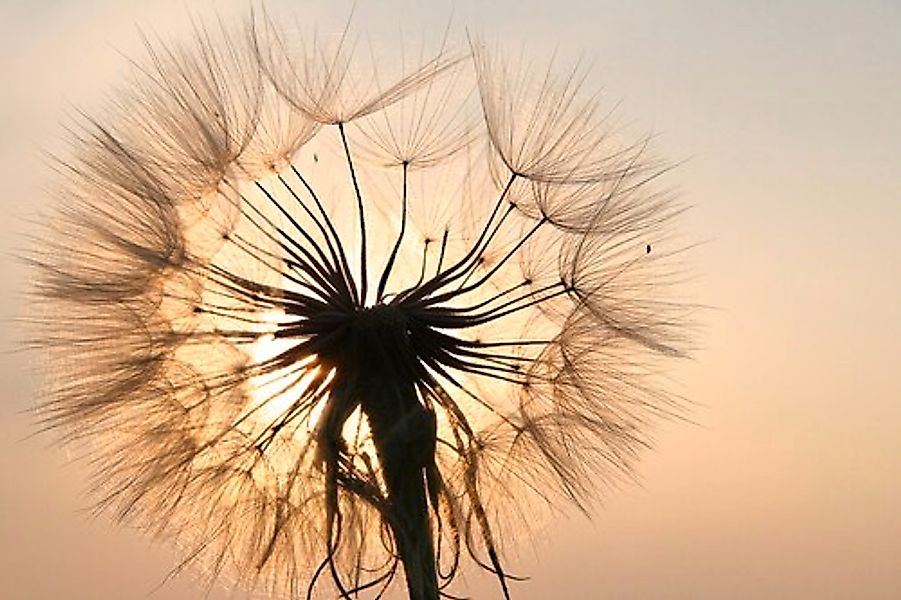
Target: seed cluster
(307,319)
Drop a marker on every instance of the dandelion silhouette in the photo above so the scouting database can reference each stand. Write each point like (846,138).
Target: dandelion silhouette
(315,325)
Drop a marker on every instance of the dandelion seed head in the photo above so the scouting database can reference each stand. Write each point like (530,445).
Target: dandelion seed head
(325,327)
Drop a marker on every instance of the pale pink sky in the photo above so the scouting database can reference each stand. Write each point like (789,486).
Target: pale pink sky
(788,486)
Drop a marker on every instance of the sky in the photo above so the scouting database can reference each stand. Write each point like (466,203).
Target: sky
(784,114)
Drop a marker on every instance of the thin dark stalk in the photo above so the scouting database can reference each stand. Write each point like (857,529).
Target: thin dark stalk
(353,176)
(419,292)
(383,280)
(345,266)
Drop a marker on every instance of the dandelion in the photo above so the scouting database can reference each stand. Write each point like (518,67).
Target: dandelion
(318,326)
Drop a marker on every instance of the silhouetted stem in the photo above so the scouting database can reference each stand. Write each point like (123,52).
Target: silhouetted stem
(400,236)
(353,177)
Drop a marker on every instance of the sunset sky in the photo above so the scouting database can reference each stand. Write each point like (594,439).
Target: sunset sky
(785,118)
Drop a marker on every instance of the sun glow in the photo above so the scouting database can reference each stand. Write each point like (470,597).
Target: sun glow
(275,395)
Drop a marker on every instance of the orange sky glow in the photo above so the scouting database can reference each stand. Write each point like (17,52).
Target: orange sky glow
(786,481)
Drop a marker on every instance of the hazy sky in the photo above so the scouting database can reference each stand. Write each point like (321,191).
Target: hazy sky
(787,115)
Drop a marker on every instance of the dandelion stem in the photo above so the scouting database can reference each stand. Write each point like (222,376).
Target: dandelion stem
(353,177)
(345,266)
(335,263)
(300,230)
(400,236)
(443,249)
(425,259)
(441,279)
